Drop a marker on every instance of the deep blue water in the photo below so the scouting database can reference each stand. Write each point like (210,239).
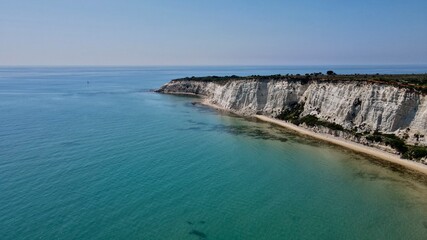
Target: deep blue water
(91,153)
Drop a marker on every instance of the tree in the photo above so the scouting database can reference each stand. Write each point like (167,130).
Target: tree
(330,72)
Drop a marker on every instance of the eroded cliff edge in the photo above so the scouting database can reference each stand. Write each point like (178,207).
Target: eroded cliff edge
(372,113)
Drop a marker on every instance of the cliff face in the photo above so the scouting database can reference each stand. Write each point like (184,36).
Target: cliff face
(356,106)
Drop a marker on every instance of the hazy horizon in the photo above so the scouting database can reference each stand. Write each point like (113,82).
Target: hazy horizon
(217,65)
(220,33)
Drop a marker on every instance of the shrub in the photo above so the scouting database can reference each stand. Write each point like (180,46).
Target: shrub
(333,126)
(310,120)
(292,113)
(416,152)
(396,143)
(330,73)
(374,138)
(390,140)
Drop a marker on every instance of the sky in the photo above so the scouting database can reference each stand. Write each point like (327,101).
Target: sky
(212,32)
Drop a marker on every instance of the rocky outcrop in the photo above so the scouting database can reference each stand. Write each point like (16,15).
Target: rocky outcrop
(356,106)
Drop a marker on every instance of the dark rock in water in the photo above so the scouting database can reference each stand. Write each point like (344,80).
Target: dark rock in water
(190,223)
(425,224)
(193,103)
(256,133)
(202,222)
(197,233)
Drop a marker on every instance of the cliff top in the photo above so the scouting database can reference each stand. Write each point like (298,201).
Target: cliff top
(412,81)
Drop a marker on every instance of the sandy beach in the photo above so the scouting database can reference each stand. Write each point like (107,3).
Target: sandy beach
(350,145)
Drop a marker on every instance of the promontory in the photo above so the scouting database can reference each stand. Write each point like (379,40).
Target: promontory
(386,112)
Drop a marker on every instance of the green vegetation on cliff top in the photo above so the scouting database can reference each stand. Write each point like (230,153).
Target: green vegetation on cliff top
(411,81)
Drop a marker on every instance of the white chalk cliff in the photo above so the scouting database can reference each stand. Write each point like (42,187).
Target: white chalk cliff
(355,105)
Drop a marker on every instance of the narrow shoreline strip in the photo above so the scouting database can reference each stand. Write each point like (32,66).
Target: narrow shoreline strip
(350,145)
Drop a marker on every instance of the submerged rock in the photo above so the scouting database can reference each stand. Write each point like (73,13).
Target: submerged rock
(198,233)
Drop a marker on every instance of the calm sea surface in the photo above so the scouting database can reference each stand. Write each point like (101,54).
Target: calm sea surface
(91,153)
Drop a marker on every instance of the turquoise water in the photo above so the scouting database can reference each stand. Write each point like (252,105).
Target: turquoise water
(91,153)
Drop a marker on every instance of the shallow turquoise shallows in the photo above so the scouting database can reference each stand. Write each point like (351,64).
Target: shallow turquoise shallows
(92,153)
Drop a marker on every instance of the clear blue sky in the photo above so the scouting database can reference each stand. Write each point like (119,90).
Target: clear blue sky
(214,32)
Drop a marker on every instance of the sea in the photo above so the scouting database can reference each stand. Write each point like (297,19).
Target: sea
(94,153)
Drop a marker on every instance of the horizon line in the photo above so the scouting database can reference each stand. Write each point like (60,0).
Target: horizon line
(219,65)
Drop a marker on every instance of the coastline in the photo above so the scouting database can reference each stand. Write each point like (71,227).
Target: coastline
(182,94)
(392,158)
(350,145)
